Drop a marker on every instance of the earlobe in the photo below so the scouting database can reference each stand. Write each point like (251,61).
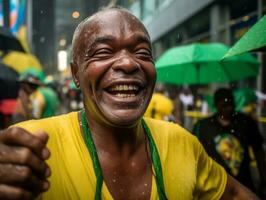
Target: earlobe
(74,71)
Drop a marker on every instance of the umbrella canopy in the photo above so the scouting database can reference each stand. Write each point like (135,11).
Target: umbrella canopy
(7,73)
(8,41)
(253,40)
(9,85)
(201,64)
(21,61)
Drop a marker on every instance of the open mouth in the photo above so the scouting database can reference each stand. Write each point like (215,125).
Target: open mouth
(124,90)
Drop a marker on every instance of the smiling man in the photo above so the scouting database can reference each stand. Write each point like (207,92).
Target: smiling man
(108,151)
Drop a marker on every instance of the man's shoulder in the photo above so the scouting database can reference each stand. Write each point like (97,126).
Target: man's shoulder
(48,124)
(163,130)
(161,125)
(173,140)
(243,116)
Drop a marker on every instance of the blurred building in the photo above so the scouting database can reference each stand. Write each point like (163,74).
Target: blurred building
(53,25)
(49,25)
(172,23)
(175,22)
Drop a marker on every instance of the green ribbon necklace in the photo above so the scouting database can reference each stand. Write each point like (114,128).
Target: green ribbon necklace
(96,163)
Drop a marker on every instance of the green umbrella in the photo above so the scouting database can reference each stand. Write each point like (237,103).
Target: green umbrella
(253,40)
(201,64)
(244,97)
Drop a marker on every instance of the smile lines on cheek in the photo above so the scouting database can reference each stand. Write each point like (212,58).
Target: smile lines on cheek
(124,90)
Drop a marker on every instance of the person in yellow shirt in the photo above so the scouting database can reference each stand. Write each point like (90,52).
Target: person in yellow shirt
(160,107)
(107,150)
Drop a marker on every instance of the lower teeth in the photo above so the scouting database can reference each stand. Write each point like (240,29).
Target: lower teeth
(125,95)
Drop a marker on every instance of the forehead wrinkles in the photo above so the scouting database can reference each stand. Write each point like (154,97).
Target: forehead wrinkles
(109,23)
(118,22)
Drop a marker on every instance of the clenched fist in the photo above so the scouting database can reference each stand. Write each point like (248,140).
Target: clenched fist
(23,171)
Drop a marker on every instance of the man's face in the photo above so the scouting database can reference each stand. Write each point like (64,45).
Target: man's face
(28,87)
(116,71)
(226,108)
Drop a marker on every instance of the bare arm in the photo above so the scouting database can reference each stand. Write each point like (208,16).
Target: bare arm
(25,104)
(236,191)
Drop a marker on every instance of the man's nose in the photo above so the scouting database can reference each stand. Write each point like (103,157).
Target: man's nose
(126,63)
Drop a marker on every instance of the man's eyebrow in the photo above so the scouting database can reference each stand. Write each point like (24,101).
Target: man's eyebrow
(143,39)
(102,39)
(109,38)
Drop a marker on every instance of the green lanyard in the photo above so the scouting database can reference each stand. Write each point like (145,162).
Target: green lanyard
(97,167)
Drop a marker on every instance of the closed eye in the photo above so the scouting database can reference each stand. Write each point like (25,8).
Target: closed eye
(102,53)
(143,53)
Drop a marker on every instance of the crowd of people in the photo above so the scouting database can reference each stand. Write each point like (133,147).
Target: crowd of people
(38,97)
(106,149)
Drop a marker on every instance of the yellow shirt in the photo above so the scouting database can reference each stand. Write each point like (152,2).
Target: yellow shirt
(160,107)
(38,104)
(188,172)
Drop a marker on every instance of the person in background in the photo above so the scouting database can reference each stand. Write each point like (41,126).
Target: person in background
(227,136)
(187,100)
(35,100)
(160,107)
(74,97)
(108,150)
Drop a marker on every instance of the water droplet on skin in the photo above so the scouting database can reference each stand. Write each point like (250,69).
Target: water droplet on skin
(145,184)
(143,193)
(133,164)
(114,180)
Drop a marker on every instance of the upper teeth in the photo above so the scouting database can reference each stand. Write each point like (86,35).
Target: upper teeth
(124,87)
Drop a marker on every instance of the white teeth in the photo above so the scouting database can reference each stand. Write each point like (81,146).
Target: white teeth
(124,87)
(125,95)
(131,87)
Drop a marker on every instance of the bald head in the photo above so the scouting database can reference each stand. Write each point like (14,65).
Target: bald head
(106,18)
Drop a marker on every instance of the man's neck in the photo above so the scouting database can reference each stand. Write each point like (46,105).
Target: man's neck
(117,140)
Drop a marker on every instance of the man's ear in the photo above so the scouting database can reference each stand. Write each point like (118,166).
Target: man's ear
(74,71)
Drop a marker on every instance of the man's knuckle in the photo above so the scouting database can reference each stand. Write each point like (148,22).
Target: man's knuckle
(25,155)
(14,132)
(20,194)
(37,144)
(25,173)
